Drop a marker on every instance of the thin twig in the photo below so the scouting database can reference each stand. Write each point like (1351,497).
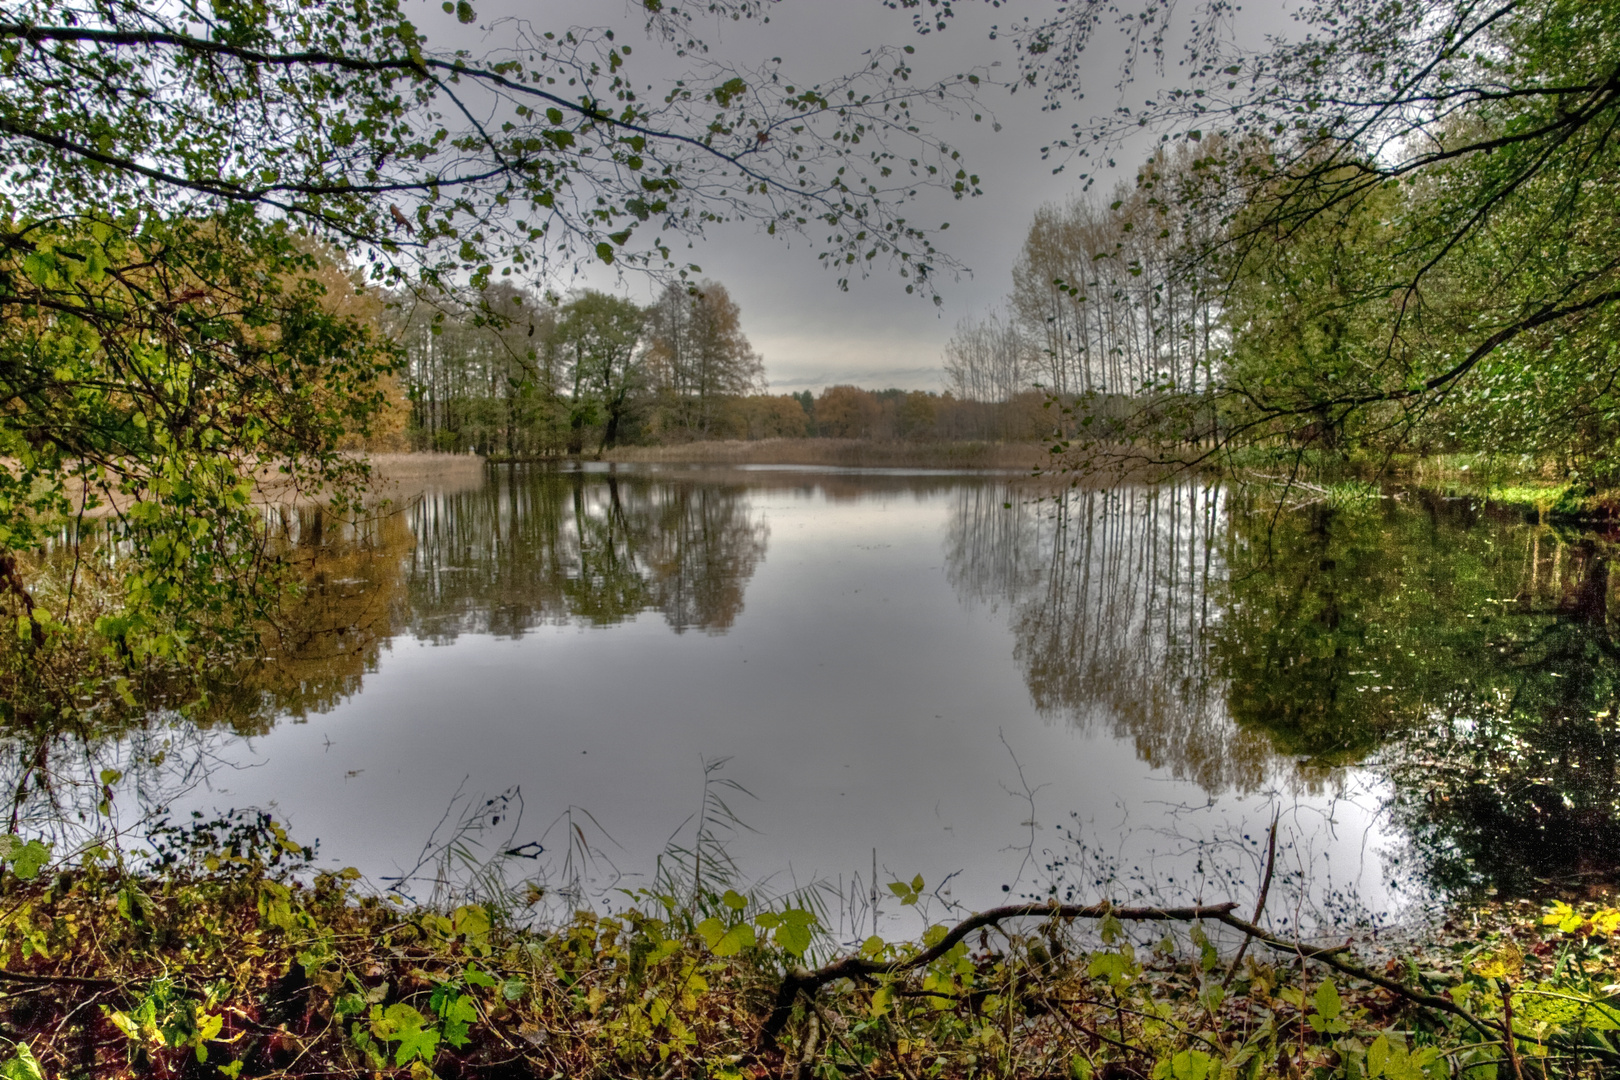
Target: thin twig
(1507,1022)
(828,1026)
(1260,904)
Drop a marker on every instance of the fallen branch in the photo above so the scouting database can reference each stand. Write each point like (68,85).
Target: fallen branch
(798,980)
(809,982)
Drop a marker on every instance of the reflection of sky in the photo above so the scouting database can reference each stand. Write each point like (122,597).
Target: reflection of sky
(858,697)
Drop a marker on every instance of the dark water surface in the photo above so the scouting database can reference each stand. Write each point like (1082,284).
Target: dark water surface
(1099,692)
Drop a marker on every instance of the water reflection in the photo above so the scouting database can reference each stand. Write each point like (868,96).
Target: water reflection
(531,547)
(1113,594)
(1466,658)
(1462,661)
(538,547)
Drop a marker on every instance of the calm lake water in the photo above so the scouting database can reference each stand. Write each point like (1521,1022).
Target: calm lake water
(1006,691)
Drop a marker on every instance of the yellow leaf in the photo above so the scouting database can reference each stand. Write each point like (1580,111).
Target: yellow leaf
(1505,963)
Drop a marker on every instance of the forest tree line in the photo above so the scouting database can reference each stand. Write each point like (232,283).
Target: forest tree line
(514,374)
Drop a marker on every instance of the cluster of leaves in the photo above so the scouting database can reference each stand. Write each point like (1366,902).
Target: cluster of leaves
(347,120)
(237,968)
(159,377)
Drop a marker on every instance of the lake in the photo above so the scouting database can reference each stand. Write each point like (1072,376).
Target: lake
(1005,689)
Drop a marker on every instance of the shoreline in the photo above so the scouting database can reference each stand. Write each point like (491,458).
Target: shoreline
(841,453)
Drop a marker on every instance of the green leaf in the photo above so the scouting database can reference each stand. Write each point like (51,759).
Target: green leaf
(1112,966)
(1328,1007)
(1327,1000)
(471,920)
(724,940)
(418,1041)
(1377,1057)
(27,859)
(457,1013)
(22,1065)
(795,931)
(1190,1065)
(465,13)
(732,88)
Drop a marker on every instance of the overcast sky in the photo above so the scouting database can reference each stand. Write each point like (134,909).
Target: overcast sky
(811,334)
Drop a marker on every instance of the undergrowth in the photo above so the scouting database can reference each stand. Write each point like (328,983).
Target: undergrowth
(225,955)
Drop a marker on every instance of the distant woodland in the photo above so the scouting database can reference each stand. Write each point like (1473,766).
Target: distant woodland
(1106,319)
(518,375)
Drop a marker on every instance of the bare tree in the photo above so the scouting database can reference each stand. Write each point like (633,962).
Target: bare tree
(697,353)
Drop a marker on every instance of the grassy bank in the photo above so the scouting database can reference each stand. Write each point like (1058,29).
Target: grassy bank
(845,453)
(1539,489)
(223,964)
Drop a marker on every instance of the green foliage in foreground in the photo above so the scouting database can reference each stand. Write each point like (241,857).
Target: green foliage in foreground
(228,965)
(163,380)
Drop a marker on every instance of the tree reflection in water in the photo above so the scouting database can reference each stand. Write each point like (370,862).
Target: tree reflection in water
(1466,658)
(532,547)
(527,548)
(1112,596)
(535,547)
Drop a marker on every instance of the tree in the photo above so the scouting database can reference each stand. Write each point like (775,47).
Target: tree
(156,373)
(985,359)
(774,416)
(697,353)
(1483,132)
(808,404)
(847,412)
(600,337)
(483,370)
(1109,297)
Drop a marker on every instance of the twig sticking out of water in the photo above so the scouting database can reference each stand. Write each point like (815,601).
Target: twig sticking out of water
(1260,904)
